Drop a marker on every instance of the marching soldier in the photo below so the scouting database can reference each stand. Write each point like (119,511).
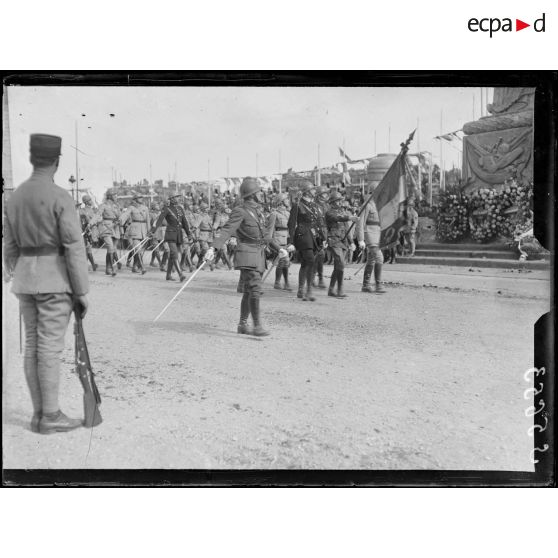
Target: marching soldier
(157,238)
(247,223)
(44,250)
(89,219)
(136,217)
(322,205)
(307,236)
(109,230)
(220,218)
(205,233)
(176,223)
(280,221)
(336,219)
(195,250)
(368,231)
(186,257)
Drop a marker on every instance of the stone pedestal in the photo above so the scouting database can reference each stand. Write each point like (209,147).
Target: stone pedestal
(497,146)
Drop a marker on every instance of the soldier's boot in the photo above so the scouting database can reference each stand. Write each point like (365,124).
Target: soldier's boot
(366,287)
(188,260)
(92,260)
(278,274)
(170,267)
(309,295)
(129,260)
(109,269)
(154,255)
(287,287)
(332,283)
(301,281)
(378,278)
(181,275)
(115,260)
(200,258)
(244,314)
(139,261)
(258,330)
(164,261)
(183,261)
(340,291)
(158,258)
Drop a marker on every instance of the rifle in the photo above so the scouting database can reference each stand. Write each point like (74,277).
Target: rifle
(91,397)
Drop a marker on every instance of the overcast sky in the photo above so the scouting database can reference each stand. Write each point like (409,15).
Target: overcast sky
(189,126)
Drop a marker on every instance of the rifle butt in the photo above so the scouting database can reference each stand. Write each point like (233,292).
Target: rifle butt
(92,415)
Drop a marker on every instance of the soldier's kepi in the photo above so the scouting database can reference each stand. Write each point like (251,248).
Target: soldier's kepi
(253,233)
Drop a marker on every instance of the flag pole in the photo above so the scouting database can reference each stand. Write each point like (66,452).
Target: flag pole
(402,153)
(419,193)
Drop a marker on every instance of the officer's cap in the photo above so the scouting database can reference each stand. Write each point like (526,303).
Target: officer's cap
(45,145)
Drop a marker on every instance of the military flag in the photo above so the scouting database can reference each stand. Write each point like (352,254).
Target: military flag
(390,197)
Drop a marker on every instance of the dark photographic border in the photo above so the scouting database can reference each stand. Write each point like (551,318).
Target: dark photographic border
(545,177)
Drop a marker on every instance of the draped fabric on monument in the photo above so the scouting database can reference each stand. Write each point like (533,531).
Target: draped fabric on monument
(389,196)
(491,156)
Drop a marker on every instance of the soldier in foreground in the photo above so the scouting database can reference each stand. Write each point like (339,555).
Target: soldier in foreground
(336,219)
(368,235)
(253,233)
(44,249)
(173,214)
(89,219)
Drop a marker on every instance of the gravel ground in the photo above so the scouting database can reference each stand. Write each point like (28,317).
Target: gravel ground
(427,376)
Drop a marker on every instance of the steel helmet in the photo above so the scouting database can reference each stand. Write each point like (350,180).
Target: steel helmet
(249,186)
(203,205)
(86,198)
(335,196)
(306,187)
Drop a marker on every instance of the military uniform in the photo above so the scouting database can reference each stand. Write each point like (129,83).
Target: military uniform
(219,219)
(337,219)
(43,247)
(109,230)
(280,222)
(247,222)
(368,231)
(173,214)
(155,243)
(322,206)
(307,235)
(205,232)
(136,217)
(89,219)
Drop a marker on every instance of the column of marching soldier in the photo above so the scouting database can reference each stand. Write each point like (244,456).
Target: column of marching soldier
(315,227)
(43,253)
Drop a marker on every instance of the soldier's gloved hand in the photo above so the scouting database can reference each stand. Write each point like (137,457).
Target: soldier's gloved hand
(361,244)
(232,241)
(290,248)
(151,233)
(209,255)
(325,245)
(283,254)
(353,218)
